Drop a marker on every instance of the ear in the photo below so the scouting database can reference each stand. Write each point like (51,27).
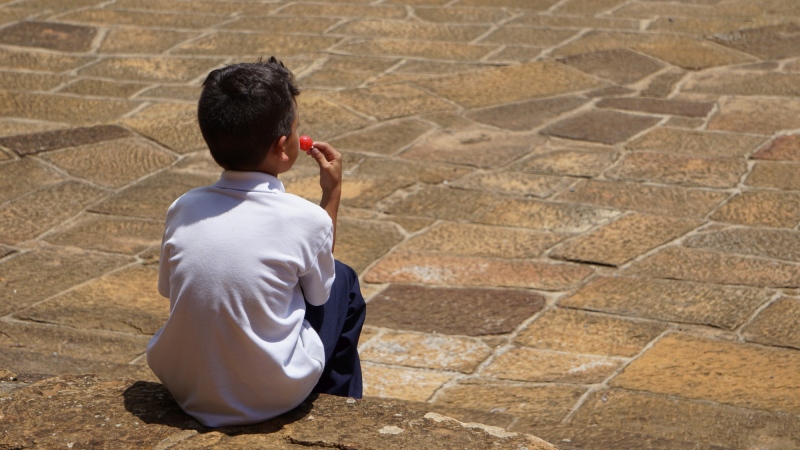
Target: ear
(278,148)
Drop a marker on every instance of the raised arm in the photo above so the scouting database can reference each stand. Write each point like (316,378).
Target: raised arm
(330,179)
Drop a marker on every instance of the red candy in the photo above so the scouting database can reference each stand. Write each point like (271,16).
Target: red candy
(306,143)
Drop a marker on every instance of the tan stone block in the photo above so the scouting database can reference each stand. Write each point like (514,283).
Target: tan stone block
(150,198)
(578,22)
(542,403)
(170,124)
(344,10)
(357,191)
(679,169)
(775,175)
(72,343)
(527,115)
(624,239)
(601,126)
(442,203)
(12,127)
(390,101)
(778,324)
(59,108)
(672,301)
(144,18)
(28,362)
(455,14)
(782,148)
(696,143)
(536,5)
(142,40)
(669,201)
(101,88)
(111,163)
(34,276)
(768,43)
(516,183)
(417,49)
(152,68)
(427,351)
(385,138)
(529,364)
(22,176)
(552,217)
(712,267)
(187,93)
(110,234)
(282,24)
(537,37)
(323,119)
(756,115)
(424,172)
(472,146)
(19,81)
(50,62)
(502,84)
(206,7)
(474,271)
(221,42)
(27,217)
(679,421)
(674,107)
(724,372)
(574,163)
(411,224)
(515,54)
(478,240)
(360,242)
(587,7)
(765,243)
(600,40)
(745,83)
(621,66)
(765,208)
(410,30)
(126,301)
(398,382)
(574,331)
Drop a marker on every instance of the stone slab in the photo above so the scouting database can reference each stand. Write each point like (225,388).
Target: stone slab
(771,42)
(726,307)
(520,35)
(110,234)
(61,341)
(546,216)
(150,198)
(498,85)
(360,242)
(51,62)
(402,383)
(152,69)
(27,217)
(530,364)
(454,13)
(606,127)
(402,48)
(410,30)
(34,276)
(516,183)
(719,268)
(390,101)
(50,35)
(621,66)
(473,147)
(624,239)
(103,88)
(383,139)
(778,324)
(682,170)
(344,11)
(125,301)
(696,143)
(526,115)
(26,81)
(22,176)
(479,240)
(61,108)
(429,309)
(170,124)
(662,84)
(696,425)
(29,362)
(725,372)
(658,106)
(756,115)
(575,331)
(143,18)
(411,171)
(111,164)
(27,144)
(688,53)
(761,208)
(782,148)
(669,201)
(132,40)
(775,175)
(221,42)
(323,119)
(442,203)
(745,83)
(541,404)
(282,24)
(568,162)
(426,351)
(474,271)
(765,243)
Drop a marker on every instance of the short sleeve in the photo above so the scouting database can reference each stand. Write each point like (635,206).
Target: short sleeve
(318,280)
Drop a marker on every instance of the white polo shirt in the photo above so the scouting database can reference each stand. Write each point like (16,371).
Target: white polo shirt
(237,260)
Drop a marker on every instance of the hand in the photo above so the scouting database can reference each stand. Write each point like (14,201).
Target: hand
(330,166)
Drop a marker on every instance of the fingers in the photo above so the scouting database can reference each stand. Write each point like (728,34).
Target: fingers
(329,153)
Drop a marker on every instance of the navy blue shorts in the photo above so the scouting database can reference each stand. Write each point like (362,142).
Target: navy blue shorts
(338,323)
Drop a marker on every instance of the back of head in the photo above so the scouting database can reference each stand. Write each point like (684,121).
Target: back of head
(243,109)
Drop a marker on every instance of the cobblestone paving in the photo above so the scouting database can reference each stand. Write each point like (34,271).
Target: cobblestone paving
(573,218)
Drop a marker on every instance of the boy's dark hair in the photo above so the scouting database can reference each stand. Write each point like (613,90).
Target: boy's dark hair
(243,109)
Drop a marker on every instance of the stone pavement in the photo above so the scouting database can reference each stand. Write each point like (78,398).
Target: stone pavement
(573,218)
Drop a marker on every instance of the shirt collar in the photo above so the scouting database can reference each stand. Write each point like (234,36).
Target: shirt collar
(249,181)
